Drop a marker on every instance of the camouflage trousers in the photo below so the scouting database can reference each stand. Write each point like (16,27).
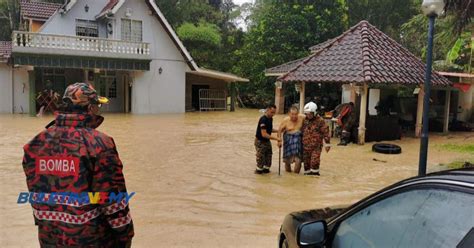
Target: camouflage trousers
(264,154)
(312,159)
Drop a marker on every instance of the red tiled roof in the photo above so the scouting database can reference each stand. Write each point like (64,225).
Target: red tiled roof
(5,49)
(362,54)
(37,9)
(109,6)
(320,46)
(284,68)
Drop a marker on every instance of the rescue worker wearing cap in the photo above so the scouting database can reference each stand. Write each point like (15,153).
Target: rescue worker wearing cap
(315,131)
(93,165)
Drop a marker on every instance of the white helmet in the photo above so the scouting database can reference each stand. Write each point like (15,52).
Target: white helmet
(310,107)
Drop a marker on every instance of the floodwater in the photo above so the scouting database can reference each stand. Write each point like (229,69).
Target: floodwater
(194,182)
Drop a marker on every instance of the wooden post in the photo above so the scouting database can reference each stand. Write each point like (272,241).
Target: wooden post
(232,96)
(363,114)
(302,96)
(279,98)
(32,92)
(447,102)
(419,112)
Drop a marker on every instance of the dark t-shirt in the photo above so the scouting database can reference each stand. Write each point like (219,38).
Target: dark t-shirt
(264,123)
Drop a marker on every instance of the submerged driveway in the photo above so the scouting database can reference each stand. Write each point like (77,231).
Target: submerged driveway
(194,182)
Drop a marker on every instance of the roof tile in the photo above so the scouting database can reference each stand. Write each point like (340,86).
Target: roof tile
(5,49)
(109,6)
(361,54)
(37,9)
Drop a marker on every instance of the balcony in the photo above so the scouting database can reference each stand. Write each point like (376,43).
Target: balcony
(91,47)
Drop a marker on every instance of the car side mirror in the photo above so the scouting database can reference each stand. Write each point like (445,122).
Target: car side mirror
(311,234)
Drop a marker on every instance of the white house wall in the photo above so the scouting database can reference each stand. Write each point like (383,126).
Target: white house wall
(159,93)
(153,92)
(66,24)
(466,102)
(6,88)
(21,91)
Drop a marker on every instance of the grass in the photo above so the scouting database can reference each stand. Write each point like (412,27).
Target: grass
(468,148)
(459,164)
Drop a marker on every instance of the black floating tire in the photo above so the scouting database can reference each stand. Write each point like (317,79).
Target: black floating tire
(386,148)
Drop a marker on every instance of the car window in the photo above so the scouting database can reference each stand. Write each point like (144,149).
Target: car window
(418,218)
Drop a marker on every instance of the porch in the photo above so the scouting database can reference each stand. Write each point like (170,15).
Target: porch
(209,90)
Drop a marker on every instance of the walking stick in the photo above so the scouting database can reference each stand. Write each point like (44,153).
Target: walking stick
(279,160)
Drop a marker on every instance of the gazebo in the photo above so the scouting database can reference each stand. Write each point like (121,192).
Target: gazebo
(361,57)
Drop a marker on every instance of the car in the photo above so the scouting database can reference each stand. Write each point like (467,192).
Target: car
(436,210)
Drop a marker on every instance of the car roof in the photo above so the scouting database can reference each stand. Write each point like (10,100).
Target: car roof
(462,175)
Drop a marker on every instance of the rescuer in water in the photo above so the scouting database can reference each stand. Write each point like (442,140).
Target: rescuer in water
(72,156)
(315,137)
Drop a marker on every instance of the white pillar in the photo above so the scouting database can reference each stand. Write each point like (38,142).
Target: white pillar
(302,96)
(279,97)
(86,76)
(419,113)
(466,102)
(447,102)
(363,113)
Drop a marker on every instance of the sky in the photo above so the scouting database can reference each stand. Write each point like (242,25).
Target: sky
(241,23)
(239,2)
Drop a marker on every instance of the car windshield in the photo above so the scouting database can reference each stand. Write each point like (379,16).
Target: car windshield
(417,218)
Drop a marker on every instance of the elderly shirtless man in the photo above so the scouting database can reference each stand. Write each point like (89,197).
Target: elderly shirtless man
(290,127)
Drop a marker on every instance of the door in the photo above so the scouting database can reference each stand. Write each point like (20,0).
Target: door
(195,95)
(111,87)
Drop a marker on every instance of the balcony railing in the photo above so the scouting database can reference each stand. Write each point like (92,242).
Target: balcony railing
(79,43)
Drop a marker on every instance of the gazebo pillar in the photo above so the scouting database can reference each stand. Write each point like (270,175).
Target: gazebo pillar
(302,96)
(232,96)
(419,112)
(279,98)
(363,114)
(447,101)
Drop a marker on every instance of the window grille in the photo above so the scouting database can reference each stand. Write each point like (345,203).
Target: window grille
(87,28)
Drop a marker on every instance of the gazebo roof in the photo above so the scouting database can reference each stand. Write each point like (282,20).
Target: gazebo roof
(362,54)
(283,68)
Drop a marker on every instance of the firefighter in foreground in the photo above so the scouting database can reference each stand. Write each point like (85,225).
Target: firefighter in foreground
(315,131)
(93,166)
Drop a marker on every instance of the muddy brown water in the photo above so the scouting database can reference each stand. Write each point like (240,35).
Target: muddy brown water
(194,182)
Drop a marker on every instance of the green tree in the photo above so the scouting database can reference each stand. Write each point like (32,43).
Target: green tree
(9,18)
(462,10)
(452,45)
(280,32)
(386,15)
(178,12)
(202,41)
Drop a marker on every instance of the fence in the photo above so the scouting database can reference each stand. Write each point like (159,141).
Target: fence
(212,100)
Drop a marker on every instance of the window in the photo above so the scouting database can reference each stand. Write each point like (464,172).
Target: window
(56,77)
(132,30)
(112,89)
(87,28)
(418,218)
